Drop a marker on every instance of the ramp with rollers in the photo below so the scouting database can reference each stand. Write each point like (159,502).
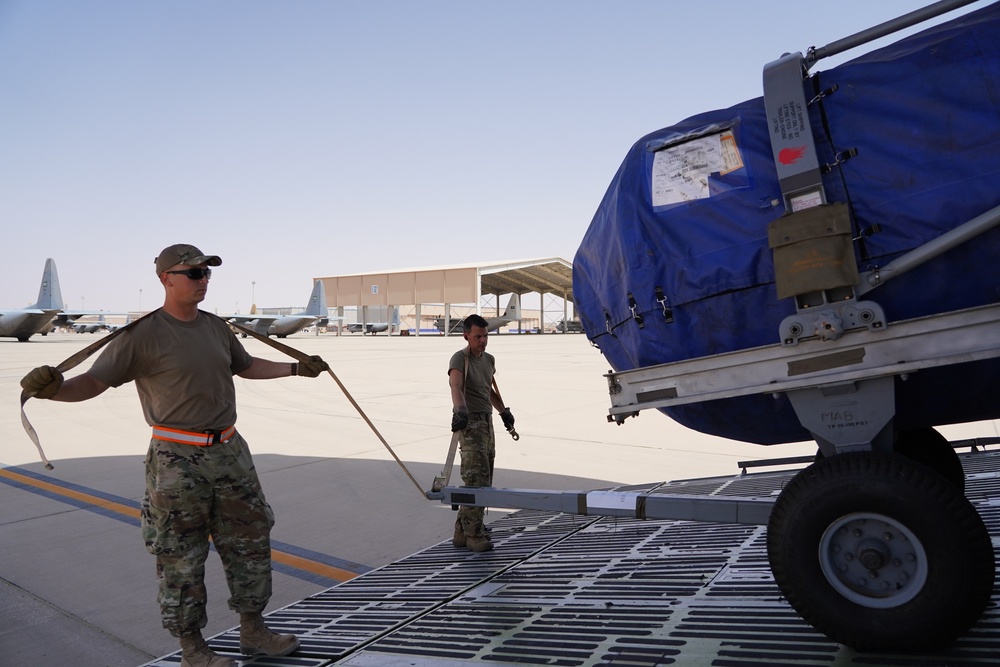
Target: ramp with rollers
(568,590)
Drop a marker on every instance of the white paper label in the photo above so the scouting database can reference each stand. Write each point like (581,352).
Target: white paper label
(619,500)
(680,173)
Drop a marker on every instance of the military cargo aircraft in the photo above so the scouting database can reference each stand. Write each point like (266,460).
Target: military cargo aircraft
(374,327)
(315,313)
(48,313)
(91,326)
(511,314)
(23,323)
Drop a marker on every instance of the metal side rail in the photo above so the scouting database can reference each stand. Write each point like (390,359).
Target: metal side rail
(901,347)
(621,502)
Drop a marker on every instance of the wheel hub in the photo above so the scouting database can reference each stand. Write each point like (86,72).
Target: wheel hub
(873,560)
(873,554)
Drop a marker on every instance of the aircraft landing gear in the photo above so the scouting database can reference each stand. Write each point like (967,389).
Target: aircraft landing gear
(880,553)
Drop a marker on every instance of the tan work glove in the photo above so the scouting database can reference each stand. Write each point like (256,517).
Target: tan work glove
(42,382)
(311,368)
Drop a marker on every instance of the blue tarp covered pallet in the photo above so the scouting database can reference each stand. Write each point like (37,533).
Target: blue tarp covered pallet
(681,236)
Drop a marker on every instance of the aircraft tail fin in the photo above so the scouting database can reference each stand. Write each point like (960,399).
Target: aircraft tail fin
(317,301)
(49,294)
(513,308)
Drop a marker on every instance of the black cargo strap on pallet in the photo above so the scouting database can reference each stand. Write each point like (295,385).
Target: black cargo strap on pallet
(607,323)
(668,312)
(839,159)
(824,93)
(636,315)
(634,309)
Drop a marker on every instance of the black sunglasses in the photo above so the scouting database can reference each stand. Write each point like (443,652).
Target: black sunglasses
(194,274)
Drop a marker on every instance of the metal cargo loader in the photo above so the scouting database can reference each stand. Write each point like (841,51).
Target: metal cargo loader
(822,262)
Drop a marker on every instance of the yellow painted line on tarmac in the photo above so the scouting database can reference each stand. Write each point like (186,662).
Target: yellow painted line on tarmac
(323,570)
(282,557)
(70,493)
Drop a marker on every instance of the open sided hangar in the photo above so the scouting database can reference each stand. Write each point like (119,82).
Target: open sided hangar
(450,285)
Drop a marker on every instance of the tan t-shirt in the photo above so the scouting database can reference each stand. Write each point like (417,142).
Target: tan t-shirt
(479,380)
(183,371)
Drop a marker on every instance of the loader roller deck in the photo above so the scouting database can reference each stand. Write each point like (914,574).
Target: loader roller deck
(562,589)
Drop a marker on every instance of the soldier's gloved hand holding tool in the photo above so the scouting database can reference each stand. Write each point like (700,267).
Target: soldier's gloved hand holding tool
(506,416)
(508,423)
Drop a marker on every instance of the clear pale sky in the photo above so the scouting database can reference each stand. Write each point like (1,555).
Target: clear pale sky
(300,139)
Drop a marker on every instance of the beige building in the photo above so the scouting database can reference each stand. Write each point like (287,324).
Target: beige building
(433,299)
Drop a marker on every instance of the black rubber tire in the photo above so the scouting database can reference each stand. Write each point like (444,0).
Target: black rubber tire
(928,447)
(952,546)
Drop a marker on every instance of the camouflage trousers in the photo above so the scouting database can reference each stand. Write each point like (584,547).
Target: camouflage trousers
(478,447)
(194,494)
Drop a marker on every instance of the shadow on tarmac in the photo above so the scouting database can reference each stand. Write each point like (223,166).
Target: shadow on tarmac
(77,586)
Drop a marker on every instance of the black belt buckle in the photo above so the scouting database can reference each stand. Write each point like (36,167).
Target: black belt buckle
(216,436)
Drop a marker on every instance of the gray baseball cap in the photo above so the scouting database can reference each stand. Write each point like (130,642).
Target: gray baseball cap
(183,253)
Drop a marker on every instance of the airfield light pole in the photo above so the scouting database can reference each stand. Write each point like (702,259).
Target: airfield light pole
(253,286)
(140,301)
(83,304)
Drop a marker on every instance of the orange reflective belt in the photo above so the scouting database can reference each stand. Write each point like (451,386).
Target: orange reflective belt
(193,437)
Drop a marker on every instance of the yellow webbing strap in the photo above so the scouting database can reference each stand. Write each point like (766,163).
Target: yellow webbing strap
(86,352)
(305,358)
(70,363)
(444,478)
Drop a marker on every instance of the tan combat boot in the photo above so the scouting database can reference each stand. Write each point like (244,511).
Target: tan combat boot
(479,543)
(255,637)
(459,539)
(196,653)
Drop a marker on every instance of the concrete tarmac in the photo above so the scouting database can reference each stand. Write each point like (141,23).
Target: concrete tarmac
(77,586)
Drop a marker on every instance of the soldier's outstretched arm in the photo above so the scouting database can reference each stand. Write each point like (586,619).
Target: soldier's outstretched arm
(80,388)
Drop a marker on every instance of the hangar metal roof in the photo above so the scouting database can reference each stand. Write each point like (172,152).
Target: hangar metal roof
(553,275)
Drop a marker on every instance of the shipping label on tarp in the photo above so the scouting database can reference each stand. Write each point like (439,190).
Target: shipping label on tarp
(681,172)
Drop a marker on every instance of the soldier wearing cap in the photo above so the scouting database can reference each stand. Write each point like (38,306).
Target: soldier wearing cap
(200,478)
(474,395)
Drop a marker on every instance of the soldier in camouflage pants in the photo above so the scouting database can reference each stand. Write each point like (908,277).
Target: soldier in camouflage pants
(478,448)
(200,478)
(470,376)
(182,483)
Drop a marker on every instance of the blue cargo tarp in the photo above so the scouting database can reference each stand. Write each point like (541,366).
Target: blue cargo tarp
(682,228)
